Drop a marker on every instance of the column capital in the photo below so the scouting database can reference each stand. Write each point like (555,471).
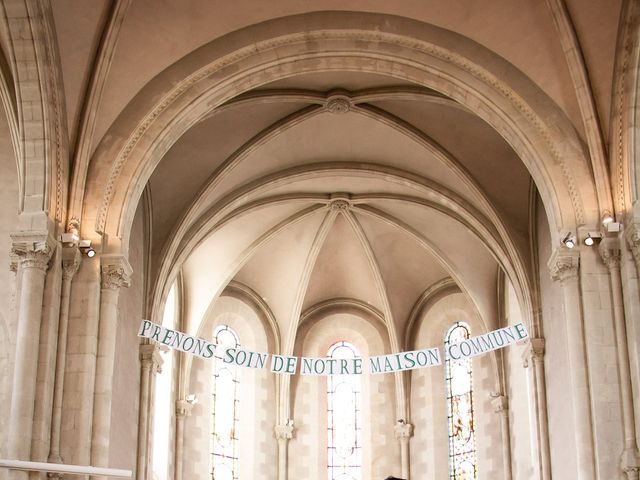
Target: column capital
(564,263)
(500,403)
(609,250)
(32,249)
(183,408)
(150,357)
(533,350)
(284,432)
(630,460)
(115,271)
(71,259)
(403,430)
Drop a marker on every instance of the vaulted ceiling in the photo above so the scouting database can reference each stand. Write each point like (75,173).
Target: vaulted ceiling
(338,184)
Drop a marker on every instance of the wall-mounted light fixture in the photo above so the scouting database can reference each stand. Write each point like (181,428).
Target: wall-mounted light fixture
(592,238)
(85,247)
(569,240)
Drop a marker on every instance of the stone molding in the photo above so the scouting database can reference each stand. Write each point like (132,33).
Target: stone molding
(150,358)
(71,260)
(284,432)
(534,350)
(632,234)
(609,250)
(500,403)
(115,272)
(403,430)
(32,249)
(183,408)
(564,263)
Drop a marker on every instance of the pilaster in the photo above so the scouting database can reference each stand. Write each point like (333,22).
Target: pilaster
(150,364)
(283,434)
(403,432)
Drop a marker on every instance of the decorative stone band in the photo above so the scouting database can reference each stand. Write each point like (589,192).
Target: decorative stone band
(284,432)
(115,272)
(564,263)
(500,403)
(150,358)
(32,249)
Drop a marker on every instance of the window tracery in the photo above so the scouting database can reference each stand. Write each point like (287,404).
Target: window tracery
(225,400)
(460,414)
(344,419)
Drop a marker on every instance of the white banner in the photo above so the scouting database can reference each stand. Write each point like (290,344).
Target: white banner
(287,365)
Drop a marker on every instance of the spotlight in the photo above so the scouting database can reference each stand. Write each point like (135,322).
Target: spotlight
(606,217)
(592,238)
(85,247)
(569,241)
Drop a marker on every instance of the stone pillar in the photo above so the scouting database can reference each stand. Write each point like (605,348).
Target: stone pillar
(183,409)
(533,357)
(500,405)
(283,433)
(71,258)
(33,251)
(115,273)
(564,265)
(630,459)
(403,432)
(150,363)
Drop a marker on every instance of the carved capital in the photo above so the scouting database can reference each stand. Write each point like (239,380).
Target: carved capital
(632,234)
(500,403)
(338,104)
(564,263)
(609,250)
(115,272)
(32,249)
(183,408)
(630,461)
(284,432)
(534,351)
(403,430)
(150,358)
(71,259)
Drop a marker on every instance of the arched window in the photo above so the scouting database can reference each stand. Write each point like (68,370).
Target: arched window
(344,419)
(462,444)
(224,434)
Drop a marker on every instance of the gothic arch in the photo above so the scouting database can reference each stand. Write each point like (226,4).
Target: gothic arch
(190,89)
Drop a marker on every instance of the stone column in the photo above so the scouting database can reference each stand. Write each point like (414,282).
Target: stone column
(630,459)
(500,405)
(403,432)
(533,357)
(33,251)
(150,363)
(115,273)
(71,258)
(283,433)
(183,409)
(564,265)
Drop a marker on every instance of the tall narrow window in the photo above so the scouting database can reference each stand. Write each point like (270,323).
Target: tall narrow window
(344,430)
(224,438)
(462,448)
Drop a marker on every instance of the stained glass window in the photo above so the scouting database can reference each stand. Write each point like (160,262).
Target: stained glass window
(462,445)
(344,418)
(224,435)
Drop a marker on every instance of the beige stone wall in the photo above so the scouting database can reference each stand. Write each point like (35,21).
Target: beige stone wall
(8,215)
(429,447)
(257,445)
